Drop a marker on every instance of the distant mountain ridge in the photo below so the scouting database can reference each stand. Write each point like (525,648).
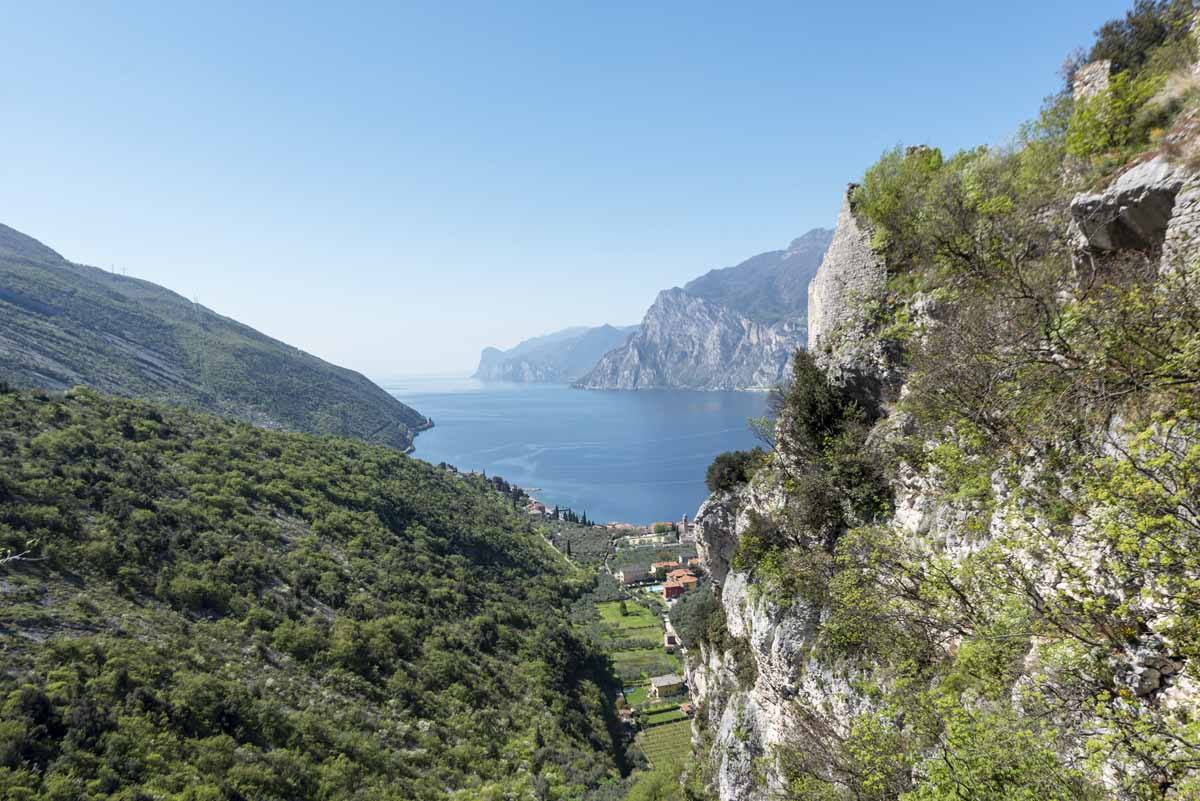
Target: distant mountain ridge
(771,286)
(561,357)
(64,324)
(733,328)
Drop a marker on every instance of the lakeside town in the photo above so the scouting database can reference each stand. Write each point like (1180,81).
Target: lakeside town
(643,573)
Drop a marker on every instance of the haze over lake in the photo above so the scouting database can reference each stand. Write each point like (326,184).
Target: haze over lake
(619,456)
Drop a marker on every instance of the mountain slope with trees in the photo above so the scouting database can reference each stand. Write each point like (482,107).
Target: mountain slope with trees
(64,324)
(194,608)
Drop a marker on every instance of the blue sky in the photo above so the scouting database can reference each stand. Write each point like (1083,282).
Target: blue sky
(394,186)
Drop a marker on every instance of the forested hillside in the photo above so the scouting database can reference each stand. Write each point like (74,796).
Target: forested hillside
(64,324)
(194,609)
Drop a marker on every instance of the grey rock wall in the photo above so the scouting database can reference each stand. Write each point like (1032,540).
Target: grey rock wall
(686,342)
(1091,79)
(843,300)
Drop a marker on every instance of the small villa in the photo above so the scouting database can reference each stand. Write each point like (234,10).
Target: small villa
(664,566)
(631,575)
(663,686)
(667,685)
(672,590)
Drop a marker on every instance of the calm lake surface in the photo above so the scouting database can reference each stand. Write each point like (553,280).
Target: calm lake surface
(633,457)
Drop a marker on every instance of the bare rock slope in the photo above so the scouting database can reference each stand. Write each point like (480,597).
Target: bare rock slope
(730,329)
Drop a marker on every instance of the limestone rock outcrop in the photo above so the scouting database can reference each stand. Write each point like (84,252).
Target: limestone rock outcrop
(1091,79)
(842,302)
(1133,213)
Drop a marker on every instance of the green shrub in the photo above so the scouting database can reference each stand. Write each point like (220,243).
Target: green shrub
(809,409)
(1117,119)
(699,618)
(892,196)
(732,469)
(1130,42)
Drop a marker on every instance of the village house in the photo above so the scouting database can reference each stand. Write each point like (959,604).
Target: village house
(678,573)
(639,540)
(672,590)
(664,686)
(661,569)
(688,583)
(631,575)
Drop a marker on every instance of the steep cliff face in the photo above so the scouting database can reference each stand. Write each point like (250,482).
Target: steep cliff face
(686,342)
(804,710)
(842,298)
(745,713)
(741,724)
(733,328)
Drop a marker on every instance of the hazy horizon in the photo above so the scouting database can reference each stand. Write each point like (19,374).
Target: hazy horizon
(397,188)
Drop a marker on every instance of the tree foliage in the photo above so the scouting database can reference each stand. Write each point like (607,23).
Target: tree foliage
(732,469)
(225,612)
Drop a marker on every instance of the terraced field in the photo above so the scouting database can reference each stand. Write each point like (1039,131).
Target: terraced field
(640,625)
(650,636)
(668,743)
(649,554)
(664,716)
(666,733)
(636,615)
(644,663)
(636,696)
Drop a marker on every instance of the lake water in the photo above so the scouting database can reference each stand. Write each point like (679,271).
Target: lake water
(634,457)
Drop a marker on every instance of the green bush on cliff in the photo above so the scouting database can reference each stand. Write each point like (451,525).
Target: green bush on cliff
(1145,30)
(733,469)
(1117,119)
(832,481)
(1154,40)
